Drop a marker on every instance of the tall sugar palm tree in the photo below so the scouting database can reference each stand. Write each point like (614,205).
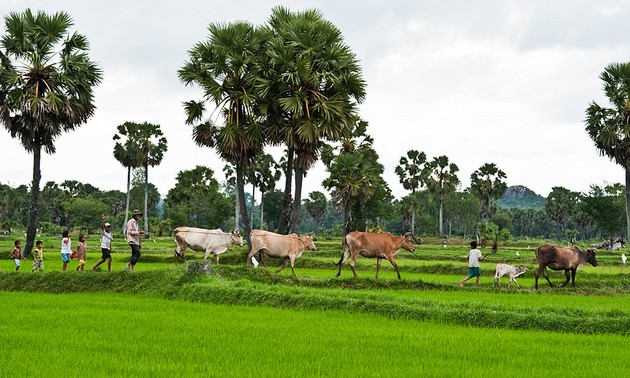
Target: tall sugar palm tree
(413,176)
(445,179)
(487,184)
(609,126)
(46,87)
(152,145)
(225,67)
(127,154)
(314,83)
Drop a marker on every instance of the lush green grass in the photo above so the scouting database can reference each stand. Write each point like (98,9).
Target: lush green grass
(122,335)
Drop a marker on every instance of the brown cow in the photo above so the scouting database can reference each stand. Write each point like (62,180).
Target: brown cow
(290,247)
(380,245)
(562,258)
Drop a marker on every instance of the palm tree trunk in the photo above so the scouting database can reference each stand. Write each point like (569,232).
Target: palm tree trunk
(31,230)
(262,206)
(283,225)
(124,226)
(441,215)
(627,201)
(240,187)
(146,200)
(253,204)
(297,200)
(236,209)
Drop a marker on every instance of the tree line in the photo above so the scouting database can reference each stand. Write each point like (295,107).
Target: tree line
(290,82)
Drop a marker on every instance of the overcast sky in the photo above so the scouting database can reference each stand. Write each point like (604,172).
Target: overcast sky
(504,82)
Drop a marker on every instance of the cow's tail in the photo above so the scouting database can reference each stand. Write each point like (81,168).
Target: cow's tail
(345,249)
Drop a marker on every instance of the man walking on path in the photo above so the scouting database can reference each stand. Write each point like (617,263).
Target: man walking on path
(134,239)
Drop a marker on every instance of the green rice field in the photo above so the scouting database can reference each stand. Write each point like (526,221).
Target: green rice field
(241,321)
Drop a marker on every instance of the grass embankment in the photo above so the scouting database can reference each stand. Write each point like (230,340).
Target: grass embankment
(393,299)
(101,334)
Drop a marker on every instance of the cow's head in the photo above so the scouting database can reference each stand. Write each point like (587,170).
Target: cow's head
(590,257)
(308,241)
(237,238)
(407,242)
(520,270)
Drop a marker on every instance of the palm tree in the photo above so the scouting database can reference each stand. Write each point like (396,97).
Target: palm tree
(487,184)
(128,155)
(263,174)
(313,85)
(355,178)
(413,176)
(609,127)
(46,87)
(225,67)
(151,145)
(445,176)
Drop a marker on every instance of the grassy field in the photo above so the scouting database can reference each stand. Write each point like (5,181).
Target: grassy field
(112,335)
(245,321)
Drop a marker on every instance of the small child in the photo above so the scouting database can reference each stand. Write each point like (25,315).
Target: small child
(106,245)
(38,257)
(66,249)
(81,252)
(16,254)
(474,256)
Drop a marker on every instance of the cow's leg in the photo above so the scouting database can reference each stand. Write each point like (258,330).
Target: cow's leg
(286,260)
(567,274)
(542,269)
(353,260)
(292,259)
(497,279)
(207,253)
(573,276)
(379,260)
(259,257)
(393,262)
(248,259)
(216,258)
(516,282)
(179,253)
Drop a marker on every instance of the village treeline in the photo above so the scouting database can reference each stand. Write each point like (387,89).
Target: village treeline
(291,82)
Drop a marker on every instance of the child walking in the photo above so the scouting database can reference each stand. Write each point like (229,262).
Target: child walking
(38,257)
(66,249)
(16,254)
(474,256)
(106,244)
(81,252)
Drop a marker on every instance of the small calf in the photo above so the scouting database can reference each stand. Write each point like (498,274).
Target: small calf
(512,271)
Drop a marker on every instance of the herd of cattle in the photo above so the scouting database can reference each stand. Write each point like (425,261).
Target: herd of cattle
(371,245)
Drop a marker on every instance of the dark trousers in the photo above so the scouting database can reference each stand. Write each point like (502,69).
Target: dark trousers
(135,253)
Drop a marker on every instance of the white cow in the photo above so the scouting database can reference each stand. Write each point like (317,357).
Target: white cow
(512,271)
(208,241)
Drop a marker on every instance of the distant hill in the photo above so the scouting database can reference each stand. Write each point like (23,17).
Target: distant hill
(521,197)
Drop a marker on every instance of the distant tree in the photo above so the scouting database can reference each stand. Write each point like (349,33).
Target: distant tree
(487,184)
(46,88)
(413,176)
(355,178)
(273,208)
(315,204)
(262,174)
(126,151)
(198,196)
(84,213)
(609,127)
(444,179)
(606,207)
(561,207)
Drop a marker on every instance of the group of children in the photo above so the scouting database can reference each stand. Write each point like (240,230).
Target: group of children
(66,250)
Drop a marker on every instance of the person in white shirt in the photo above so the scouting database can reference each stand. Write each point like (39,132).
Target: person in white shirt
(66,249)
(474,256)
(134,239)
(106,244)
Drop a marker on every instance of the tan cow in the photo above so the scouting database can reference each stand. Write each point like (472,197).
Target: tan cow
(380,245)
(208,241)
(568,259)
(289,247)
